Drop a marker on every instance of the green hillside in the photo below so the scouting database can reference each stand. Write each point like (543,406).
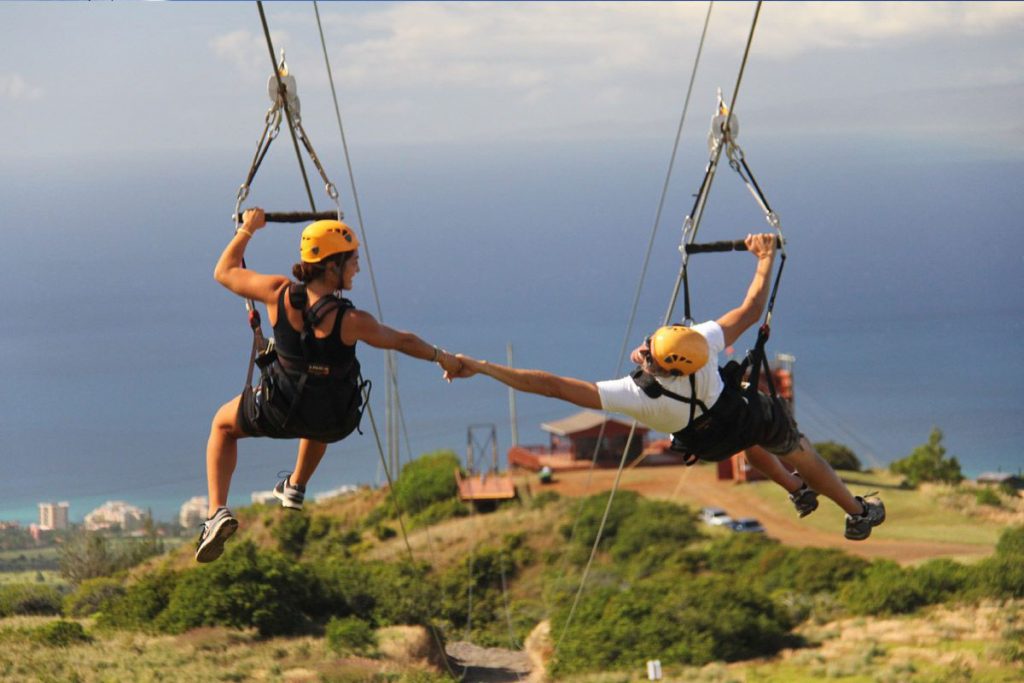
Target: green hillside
(347,590)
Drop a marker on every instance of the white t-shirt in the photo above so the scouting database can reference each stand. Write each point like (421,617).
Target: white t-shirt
(666,414)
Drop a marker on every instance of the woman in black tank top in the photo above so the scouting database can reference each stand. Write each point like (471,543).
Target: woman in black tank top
(316,351)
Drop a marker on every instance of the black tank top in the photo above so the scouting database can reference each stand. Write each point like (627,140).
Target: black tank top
(329,350)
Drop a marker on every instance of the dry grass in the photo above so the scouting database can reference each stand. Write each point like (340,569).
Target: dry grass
(206,654)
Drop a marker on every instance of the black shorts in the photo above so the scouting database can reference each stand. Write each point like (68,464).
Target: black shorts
(738,421)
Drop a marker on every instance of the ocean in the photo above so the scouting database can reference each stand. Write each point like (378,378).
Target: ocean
(900,301)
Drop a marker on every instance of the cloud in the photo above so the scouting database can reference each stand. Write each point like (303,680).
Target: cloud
(15,87)
(248,52)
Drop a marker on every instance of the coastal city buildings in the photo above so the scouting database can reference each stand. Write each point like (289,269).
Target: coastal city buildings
(53,516)
(115,513)
(193,512)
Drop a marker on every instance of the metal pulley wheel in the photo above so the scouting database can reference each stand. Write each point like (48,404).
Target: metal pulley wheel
(291,89)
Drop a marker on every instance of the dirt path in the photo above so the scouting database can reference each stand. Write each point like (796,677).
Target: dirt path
(488,664)
(699,487)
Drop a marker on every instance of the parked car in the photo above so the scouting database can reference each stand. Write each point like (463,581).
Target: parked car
(715,517)
(747,524)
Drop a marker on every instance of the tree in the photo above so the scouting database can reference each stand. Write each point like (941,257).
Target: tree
(928,462)
(837,455)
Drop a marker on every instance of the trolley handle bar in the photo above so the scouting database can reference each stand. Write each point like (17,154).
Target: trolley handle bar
(727,245)
(295,216)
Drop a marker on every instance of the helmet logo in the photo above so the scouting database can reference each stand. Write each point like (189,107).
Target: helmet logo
(348,236)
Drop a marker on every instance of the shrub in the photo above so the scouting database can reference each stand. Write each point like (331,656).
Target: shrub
(29,598)
(93,595)
(588,521)
(657,526)
(378,592)
(1000,577)
(987,496)
(440,511)
(60,633)
(141,604)
(290,532)
(89,555)
(807,571)
(1011,542)
(426,480)
(245,588)
(928,462)
(689,621)
(884,589)
(837,455)
(939,580)
(351,636)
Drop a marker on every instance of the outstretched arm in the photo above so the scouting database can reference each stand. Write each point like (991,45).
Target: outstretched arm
(740,319)
(577,391)
(230,272)
(361,326)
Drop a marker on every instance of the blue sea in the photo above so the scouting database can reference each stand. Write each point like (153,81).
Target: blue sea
(900,301)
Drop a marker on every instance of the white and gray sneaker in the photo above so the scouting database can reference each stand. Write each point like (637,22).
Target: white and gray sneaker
(290,496)
(858,527)
(216,531)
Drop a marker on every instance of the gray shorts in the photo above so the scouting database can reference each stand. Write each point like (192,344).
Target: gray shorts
(779,435)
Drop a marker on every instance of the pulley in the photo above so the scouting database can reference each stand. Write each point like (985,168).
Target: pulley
(290,88)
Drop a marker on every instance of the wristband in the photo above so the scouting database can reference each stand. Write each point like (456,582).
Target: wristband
(437,354)
(243,230)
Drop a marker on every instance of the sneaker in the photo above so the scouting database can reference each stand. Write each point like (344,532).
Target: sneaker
(858,527)
(290,496)
(216,530)
(805,500)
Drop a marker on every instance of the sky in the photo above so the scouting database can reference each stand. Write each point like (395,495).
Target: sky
(109,78)
(509,159)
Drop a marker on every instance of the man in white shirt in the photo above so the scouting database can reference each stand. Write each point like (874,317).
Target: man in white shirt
(678,389)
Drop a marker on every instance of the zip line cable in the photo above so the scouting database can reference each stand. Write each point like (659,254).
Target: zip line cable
(391,371)
(647,256)
(390,359)
(284,101)
(702,197)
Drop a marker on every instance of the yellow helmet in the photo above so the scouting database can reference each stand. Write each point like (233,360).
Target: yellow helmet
(678,350)
(325,238)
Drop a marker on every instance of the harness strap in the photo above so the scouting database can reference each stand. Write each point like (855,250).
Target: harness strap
(654,389)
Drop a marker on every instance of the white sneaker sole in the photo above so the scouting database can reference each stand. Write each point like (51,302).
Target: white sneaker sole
(285,502)
(213,547)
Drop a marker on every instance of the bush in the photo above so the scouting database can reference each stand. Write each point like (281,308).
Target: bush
(29,598)
(837,455)
(60,633)
(1011,543)
(89,555)
(93,595)
(141,603)
(440,511)
(377,592)
(426,480)
(654,527)
(884,589)
(939,580)
(987,496)
(689,621)
(928,462)
(543,499)
(588,521)
(290,532)
(807,571)
(245,588)
(1000,577)
(351,636)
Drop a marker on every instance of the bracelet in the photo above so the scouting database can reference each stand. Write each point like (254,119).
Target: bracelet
(437,354)
(243,230)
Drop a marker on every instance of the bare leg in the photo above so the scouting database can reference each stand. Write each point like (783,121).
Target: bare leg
(222,454)
(772,467)
(820,476)
(309,456)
